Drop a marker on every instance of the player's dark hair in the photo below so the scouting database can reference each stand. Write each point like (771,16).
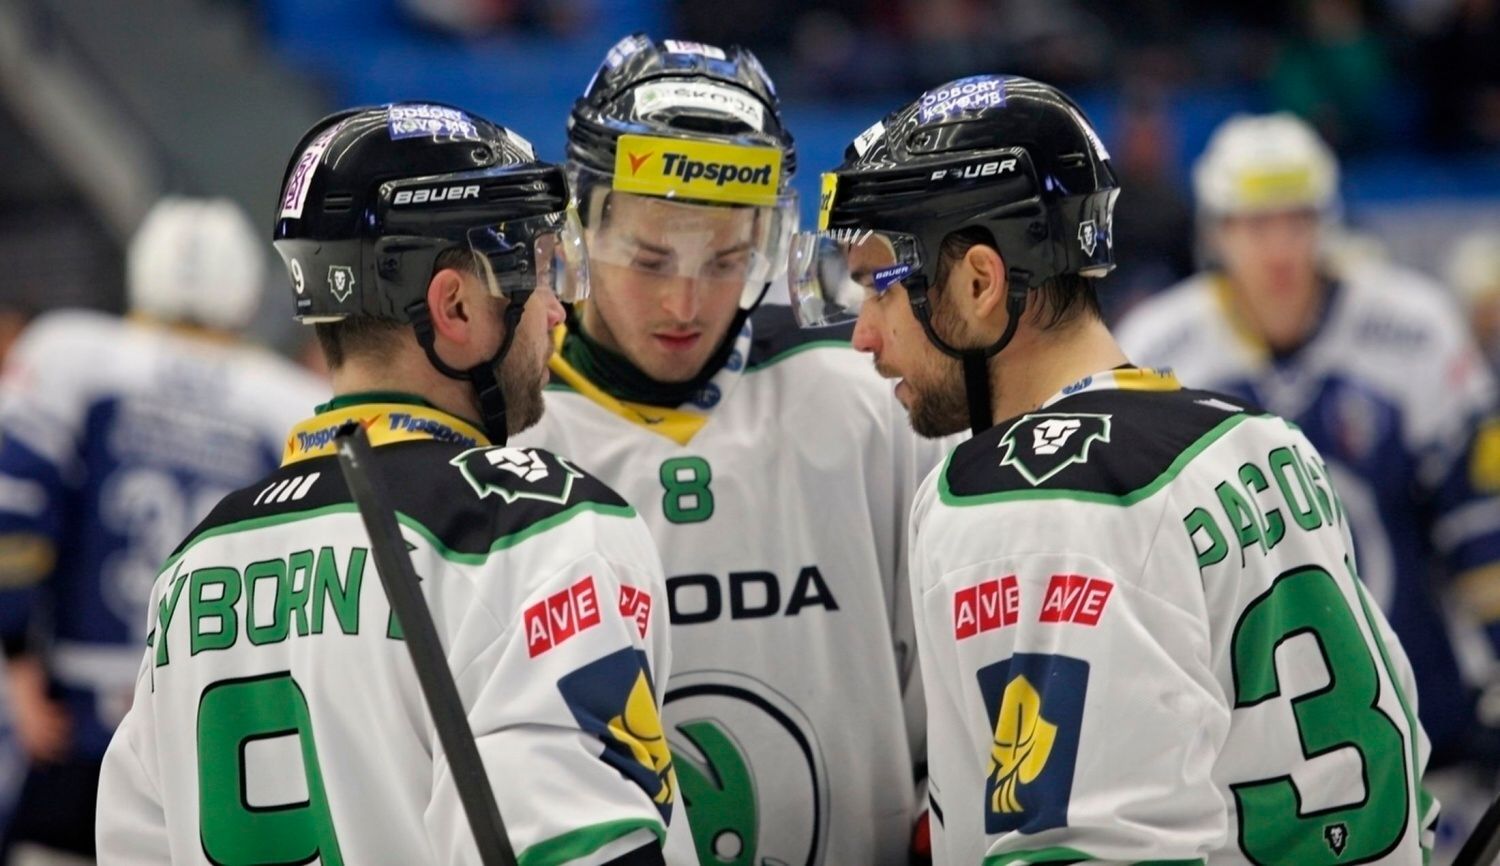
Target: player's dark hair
(366,335)
(1060,299)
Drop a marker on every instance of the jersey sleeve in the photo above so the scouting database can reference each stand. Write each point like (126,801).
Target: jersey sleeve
(566,710)
(1091,708)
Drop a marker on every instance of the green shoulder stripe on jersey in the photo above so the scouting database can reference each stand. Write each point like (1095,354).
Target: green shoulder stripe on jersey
(584,841)
(1123,499)
(500,543)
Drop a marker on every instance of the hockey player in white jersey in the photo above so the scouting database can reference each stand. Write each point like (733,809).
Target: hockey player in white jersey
(116,437)
(277,716)
(1140,629)
(1377,367)
(772,465)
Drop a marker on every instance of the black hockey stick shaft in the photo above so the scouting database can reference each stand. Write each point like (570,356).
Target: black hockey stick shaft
(421,638)
(1484,843)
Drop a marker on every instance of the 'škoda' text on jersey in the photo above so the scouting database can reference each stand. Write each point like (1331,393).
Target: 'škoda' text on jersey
(1256,508)
(264,602)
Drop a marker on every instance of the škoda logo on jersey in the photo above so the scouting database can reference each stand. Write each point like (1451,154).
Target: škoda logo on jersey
(710,171)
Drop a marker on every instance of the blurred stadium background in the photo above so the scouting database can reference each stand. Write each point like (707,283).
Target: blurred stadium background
(104,106)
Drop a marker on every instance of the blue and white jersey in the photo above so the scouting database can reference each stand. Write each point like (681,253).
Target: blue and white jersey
(116,438)
(1398,400)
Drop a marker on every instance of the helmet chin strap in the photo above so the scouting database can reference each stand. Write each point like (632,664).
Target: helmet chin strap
(482,375)
(976,361)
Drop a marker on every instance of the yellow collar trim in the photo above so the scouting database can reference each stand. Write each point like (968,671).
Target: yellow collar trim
(384,423)
(1146,379)
(675,424)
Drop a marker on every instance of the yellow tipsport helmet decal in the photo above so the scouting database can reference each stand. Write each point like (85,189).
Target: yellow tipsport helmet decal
(825,198)
(673,167)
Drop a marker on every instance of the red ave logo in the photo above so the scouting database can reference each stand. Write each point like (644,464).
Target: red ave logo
(1075,598)
(560,616)
(635,604)
(993,604)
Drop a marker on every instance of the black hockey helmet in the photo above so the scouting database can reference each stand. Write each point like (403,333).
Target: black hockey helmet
(1014,156)
(692,123)
(372,197)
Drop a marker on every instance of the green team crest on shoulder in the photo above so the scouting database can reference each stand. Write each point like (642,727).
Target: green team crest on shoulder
(1042,444)
(518,473)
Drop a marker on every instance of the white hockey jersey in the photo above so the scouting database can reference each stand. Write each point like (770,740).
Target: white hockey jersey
(1143,639)
(1394,394)
(778,500)
(116,438)
(277,715)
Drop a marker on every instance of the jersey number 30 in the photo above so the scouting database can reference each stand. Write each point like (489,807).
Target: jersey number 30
(1343,714)
(246,727)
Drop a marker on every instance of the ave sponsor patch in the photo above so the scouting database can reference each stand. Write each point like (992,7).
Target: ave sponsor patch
(614,698)
(673,167)
(518,473)
(1040,445)
(986,606)
(1035,703)
(560,616)
(635,606)
(1075,598)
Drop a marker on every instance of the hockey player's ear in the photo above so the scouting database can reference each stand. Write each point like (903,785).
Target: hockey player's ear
(983,283)
(449,305)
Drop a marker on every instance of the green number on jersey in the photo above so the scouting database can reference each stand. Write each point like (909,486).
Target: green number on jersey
(1342,714)
(688,499)
(232,716)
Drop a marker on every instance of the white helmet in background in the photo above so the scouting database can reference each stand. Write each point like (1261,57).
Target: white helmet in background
(196,260)
(1264,164)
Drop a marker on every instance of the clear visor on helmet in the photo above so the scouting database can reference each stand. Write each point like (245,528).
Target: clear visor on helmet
(522,255)
(831,273)
(650,241)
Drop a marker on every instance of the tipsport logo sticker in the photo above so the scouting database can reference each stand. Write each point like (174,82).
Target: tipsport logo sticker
(672,167)
(825,199)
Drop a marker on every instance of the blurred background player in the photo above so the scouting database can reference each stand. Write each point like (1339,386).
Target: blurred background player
(1377,367)
(116,437)
(1474,272)
(772,465)
(429,247)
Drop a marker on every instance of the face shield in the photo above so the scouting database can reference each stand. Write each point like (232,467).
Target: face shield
(521,255)
(711,215)
(832,273)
